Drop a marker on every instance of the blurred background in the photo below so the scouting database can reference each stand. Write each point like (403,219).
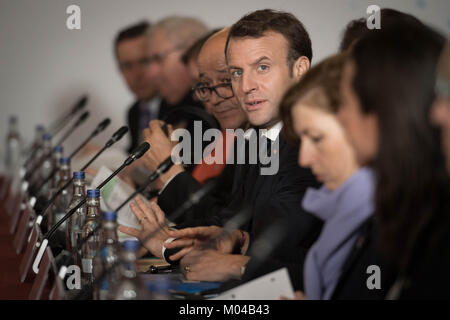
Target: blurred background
(45,68)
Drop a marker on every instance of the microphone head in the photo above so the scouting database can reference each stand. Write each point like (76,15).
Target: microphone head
(83,117)
(102,126)
(116,136)
(140,150)
(80,104)
(119,133)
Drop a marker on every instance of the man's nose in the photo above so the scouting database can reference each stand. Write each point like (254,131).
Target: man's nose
(248,83)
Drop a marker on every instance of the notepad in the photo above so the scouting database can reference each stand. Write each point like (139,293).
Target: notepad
(268,287)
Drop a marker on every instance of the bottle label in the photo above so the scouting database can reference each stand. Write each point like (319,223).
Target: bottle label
(59,216)
(87,265)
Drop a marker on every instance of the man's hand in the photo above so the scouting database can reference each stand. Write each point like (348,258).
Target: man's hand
(161,149)
(202,238)
(212,265)
(150,218)
(298,295)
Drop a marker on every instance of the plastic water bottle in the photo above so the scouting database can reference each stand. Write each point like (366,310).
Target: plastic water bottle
(46,167)
(90,248)
(13,146)
(57,155)
(130,287)
(35,149)
(74,225)
(63,200)
(107,256)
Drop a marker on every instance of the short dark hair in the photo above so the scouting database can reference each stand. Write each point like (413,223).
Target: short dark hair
(357,28)
(193,51)
(394,80)
(257,23)
(131,32)
(326,77)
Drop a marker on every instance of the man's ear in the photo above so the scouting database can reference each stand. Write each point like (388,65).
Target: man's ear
(301,66)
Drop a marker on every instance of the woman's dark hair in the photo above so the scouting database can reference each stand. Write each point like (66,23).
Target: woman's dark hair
(394,80)
(325,77)
(357,28)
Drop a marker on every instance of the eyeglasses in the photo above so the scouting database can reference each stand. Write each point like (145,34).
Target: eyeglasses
(222,90)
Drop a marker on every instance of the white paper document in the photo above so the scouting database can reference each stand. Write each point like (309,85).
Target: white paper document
(113,194)
(268,287)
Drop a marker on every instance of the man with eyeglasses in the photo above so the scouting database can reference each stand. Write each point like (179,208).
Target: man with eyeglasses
(169,38)
(267,52)
(131,46)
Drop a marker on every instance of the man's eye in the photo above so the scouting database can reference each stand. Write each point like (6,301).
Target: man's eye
(236,73)
(263,67)
(316,139)
(203,90)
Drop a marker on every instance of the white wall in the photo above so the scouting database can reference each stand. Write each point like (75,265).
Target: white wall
(44,67)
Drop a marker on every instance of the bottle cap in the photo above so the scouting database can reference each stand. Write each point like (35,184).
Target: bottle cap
(109,216)
(58,149)
(131,245)
(93,193)
(47,136)
(40,127)
(78,175)
(64,161)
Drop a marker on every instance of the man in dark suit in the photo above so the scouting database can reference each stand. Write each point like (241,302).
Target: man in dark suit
(267,52)
(131,51)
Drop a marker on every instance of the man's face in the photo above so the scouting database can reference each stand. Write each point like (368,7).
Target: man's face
(214,71)
(260,75)
(171,75)
(133,63)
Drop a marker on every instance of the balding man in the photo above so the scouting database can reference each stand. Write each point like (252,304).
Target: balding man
(169,38)
(214,90)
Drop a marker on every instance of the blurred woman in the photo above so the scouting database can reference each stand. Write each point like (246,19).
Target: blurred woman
(345,201)
(440,113)
(387,90)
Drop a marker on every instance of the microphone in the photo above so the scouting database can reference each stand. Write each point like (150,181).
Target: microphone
(192,200)
(80,120)
(58,124)
(162,168)
(115,137)
(101,126)
(136,154)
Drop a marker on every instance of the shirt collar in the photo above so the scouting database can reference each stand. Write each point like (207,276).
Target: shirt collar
(271,134)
